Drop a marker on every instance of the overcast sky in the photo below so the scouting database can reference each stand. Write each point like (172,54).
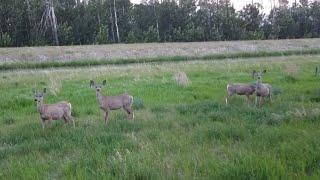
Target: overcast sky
(238,4)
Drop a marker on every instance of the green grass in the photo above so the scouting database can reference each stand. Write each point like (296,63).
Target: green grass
(92,62)
(178,133)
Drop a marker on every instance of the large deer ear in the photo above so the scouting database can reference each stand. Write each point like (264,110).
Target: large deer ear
(44,90)
(254,74)
(104,82)
(91,83)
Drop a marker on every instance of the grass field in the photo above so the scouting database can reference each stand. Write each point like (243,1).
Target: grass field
(150,50)
(178,133)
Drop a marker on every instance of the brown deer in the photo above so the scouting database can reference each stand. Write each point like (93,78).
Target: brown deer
(108,103)
(240,89)
(51,112)
(262,90)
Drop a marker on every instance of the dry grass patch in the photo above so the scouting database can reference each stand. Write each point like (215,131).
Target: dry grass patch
(181,79)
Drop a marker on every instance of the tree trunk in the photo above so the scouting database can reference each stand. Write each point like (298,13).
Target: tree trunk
(157,21)
(54,26)
(112,23)
(29,19)
(116,20)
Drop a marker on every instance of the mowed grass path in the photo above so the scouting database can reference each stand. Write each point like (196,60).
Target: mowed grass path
(177,132)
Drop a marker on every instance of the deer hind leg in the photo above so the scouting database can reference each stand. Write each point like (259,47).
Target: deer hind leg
(50,122)
(228,97)
(248,99)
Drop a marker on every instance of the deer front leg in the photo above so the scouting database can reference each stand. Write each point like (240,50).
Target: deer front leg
(106,114)
(129,112)
(42,123)
(261,101)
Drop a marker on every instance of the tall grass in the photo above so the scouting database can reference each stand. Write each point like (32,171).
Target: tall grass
(178,132)
(93,62)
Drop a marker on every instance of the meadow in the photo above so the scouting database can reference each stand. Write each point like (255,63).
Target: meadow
(178,132)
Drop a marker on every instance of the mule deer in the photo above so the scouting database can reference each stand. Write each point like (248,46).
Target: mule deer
(108,103)
(240,89)
(51,112)
(262,90)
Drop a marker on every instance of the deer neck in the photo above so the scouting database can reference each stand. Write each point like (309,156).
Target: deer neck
(40,107)
(100,97)
(258,84)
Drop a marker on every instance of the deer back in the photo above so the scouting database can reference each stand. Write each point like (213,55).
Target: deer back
(56,111)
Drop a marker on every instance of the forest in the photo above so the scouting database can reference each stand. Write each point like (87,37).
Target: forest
(75,22)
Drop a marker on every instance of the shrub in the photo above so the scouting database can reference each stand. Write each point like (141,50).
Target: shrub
(181,79)
(138,103)
(8,120)
(5,40)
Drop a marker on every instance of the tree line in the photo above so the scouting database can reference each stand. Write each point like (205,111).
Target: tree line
(75,22)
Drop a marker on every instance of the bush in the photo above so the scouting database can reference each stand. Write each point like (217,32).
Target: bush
(5,40)
(102,36)
(138,104)
(151,35)
(65,34)
(8,120)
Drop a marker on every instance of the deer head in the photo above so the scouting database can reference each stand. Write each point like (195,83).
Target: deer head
(38,96)
(258,74)
(98,87)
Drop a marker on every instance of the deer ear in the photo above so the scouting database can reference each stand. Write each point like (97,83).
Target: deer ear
(44,90)
(34,90)
(91,83)
(104,82)
(254,73)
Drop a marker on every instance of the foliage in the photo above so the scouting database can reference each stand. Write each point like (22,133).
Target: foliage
(102,36)
(91,21)
(5,40)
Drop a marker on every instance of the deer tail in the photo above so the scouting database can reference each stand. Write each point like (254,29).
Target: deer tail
(131,97)
(70,106)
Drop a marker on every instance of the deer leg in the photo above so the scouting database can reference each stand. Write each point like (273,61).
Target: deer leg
(227,100)
(50,122)
(42,123)
(270,99)
(74,124)
(129,112)
(106,114)
(69,119)
(228,97)
(248,100)
(261,101)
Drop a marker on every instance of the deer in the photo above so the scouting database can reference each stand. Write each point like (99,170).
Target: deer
(108,103)
(50,112)
(263,90)
(240,89)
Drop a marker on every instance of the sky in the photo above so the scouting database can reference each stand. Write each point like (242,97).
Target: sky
(238,4)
